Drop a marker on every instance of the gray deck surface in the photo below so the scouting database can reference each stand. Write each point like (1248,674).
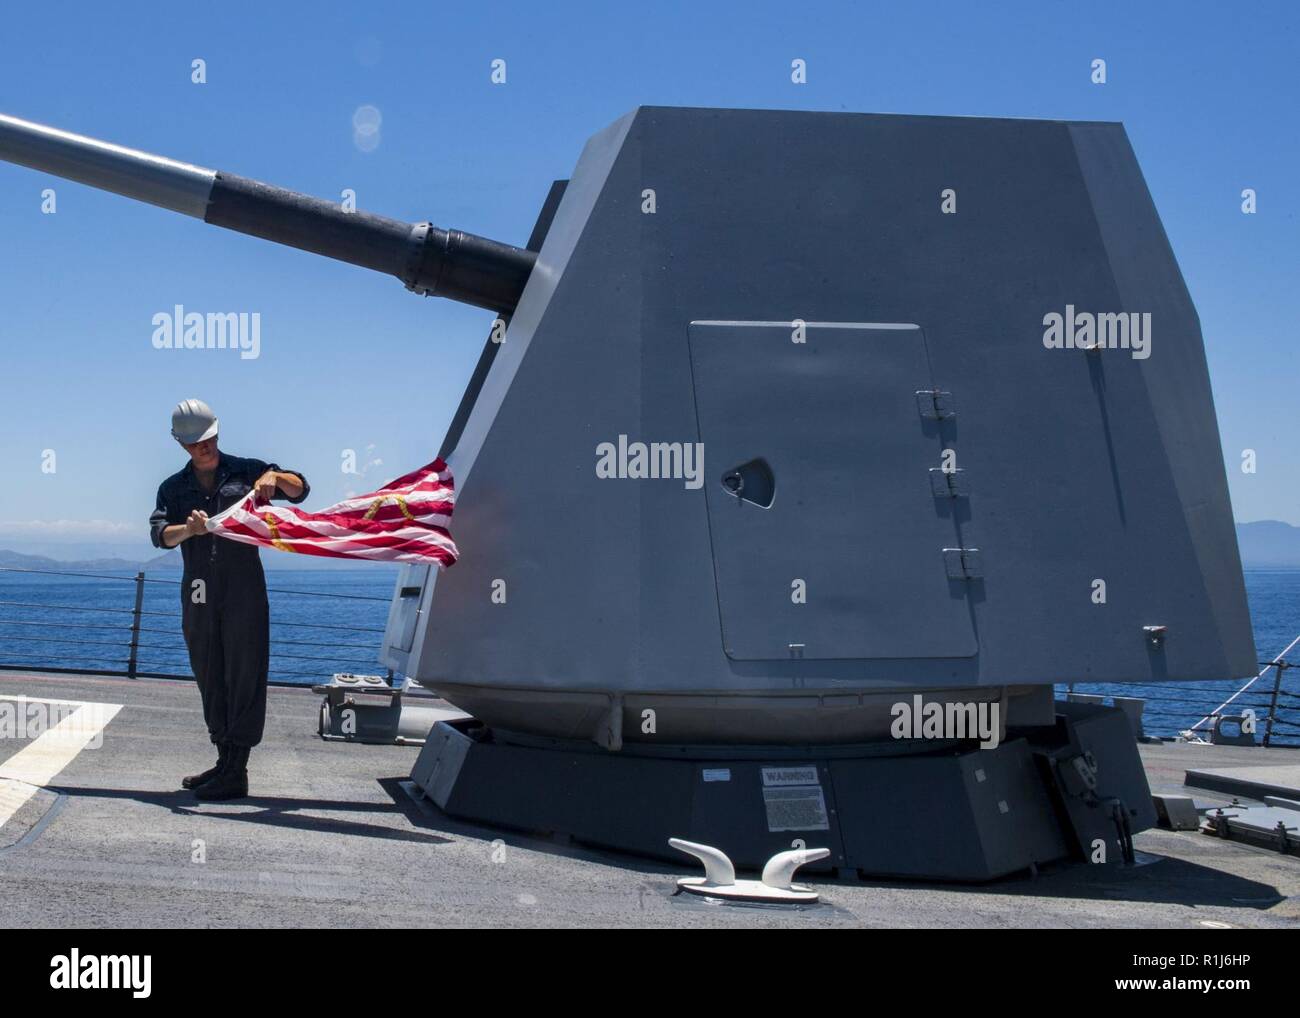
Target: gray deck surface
(331,838)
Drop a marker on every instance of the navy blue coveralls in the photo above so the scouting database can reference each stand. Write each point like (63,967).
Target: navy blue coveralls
(228,630)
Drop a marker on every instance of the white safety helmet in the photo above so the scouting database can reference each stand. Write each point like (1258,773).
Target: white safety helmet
(193,421)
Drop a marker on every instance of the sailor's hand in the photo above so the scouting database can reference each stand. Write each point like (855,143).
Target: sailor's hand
(265,485)
(197,524)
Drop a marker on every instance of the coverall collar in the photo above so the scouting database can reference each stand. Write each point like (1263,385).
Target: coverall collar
(219,476)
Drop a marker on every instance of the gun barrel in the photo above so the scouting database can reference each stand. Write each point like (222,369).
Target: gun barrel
(429,260)
(180,187)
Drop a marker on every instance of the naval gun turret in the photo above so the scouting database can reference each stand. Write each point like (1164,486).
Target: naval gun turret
(802,422)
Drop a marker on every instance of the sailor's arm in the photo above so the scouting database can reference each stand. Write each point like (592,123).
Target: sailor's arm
(174,534)
(277,483)
(291,485)
(169,535)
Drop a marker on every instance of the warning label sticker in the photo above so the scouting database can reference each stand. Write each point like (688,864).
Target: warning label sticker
(776,776)
(796,808)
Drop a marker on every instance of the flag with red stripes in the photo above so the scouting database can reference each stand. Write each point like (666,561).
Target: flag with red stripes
(404,521)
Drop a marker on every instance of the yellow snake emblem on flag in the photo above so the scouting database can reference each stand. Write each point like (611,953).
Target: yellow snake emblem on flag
(275,534)
(401,504)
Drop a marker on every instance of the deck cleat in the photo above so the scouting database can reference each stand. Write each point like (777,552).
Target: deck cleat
(775,887)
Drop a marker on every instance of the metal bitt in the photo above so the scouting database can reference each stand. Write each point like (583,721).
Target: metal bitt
(776,886)
(429,260)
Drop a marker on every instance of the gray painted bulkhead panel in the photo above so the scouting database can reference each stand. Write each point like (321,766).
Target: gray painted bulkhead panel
(834,417)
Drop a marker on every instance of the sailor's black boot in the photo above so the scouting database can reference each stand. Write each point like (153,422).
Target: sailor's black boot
(194,780)
(231,781)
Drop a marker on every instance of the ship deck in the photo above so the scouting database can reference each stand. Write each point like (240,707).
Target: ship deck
(331,837)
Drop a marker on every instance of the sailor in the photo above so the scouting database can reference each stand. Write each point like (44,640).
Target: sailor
(225,616)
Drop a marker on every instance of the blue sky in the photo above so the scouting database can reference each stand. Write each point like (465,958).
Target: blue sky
(1206,91)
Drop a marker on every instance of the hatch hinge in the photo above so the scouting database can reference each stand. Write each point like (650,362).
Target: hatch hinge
(948,483)
(963,563)
(935,404)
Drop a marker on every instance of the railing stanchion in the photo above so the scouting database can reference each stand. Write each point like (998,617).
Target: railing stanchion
(135,623)
(1272,707)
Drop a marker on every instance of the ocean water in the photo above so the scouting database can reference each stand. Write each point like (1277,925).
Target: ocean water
(327,621)
(322,621)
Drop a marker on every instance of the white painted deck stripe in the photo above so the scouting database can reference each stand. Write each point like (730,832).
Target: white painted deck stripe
(41,760)
(41,699)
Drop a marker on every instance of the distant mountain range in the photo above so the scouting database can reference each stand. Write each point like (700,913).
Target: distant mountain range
(1269,544)
(1265,544)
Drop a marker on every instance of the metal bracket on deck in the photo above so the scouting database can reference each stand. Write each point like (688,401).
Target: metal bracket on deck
(365,708)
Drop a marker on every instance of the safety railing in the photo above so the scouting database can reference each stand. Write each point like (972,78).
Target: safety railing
(129,630)
(1276,703)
